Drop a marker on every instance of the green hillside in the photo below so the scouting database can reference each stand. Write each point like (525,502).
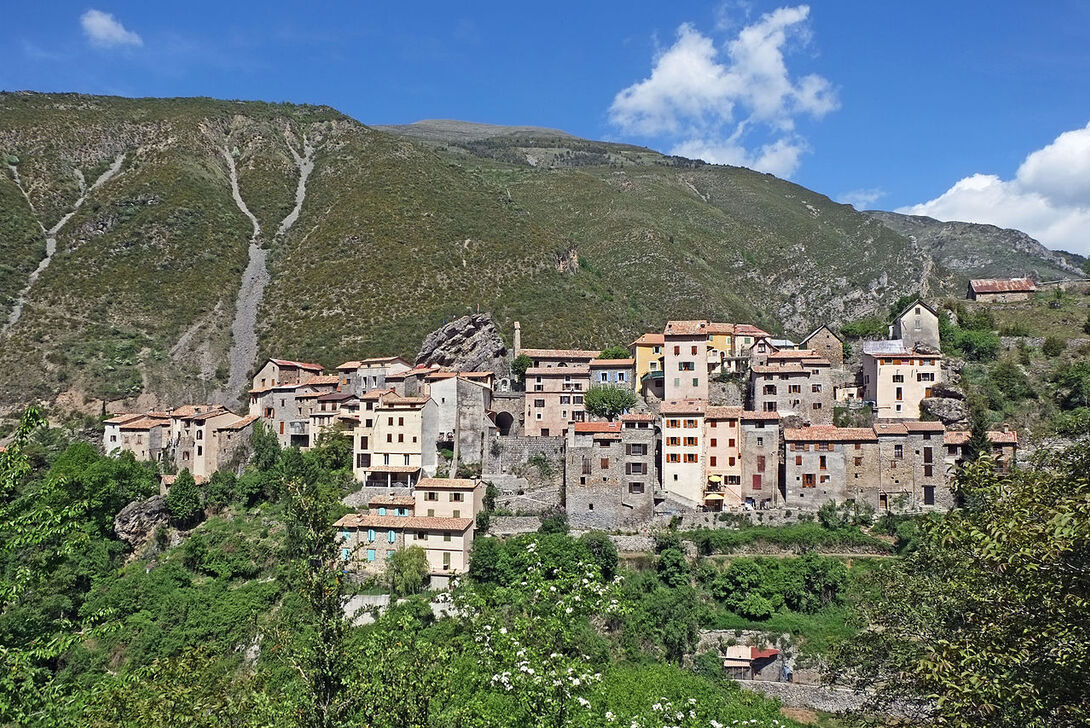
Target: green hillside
(585,243)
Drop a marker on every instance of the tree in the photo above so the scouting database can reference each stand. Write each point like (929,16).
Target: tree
(987,622)
(519,367)
(609,402)
(615,352)
(184,501)
(978,443)
(319,652)
(898,306)
(221,489)
(672,567)
(333,449)
(406,571)
(485,561)
(1086,326)
(554,523)
(1053,347)
(266,447)
(603,552)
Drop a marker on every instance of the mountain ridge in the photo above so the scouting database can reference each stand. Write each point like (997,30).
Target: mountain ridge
(586,243)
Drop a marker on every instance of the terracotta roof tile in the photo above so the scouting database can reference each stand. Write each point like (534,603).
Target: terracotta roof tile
(416,523)
(580,371)
(1003,285)
(685,328)
(996,437)
(122,418)
(828,433)
(638,417)
(722,412)
(597,427)
(392,500)
(649,340)
(913,426)
(754,415)
(145,423)
(683,406)
(749,330)
(600,363)
(715,327)
(296,364)
(447,483)
(241,423)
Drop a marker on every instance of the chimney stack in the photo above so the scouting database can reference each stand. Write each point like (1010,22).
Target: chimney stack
(518,338)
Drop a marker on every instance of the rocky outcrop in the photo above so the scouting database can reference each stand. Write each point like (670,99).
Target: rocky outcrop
(471,343)
(947,410)
(137,521)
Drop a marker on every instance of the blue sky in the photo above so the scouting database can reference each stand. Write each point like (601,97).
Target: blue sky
(965,110)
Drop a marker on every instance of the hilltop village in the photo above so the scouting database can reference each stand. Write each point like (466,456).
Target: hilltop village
(723,417)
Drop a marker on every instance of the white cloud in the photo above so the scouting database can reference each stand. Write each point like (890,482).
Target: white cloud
(861,199)
(1049,197)
(105,31)
(706,100)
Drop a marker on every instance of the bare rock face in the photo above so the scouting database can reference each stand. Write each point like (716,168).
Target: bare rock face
(471,343)
(947,391)
(948,410)
(137,521)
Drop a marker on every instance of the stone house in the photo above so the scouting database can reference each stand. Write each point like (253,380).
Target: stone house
(793,382)
(1001,290)
(411,382)
(286,408)
(685,360)
(547,358)
(463,400)
(825,463)
(439,518)
(910,475)
(826,343)
(333,410)
(613,373)
(276,372)
(554,399)
(917,327)
(1004,449)
(760,458)
(357,377)
(395,443)
(196,448)
(611,472)
(145,436)
(895,379)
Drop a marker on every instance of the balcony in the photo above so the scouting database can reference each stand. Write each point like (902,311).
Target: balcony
(299,427)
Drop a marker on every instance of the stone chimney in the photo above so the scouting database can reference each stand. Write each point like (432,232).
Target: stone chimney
(518,338)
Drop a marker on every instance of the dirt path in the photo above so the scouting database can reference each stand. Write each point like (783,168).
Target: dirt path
(51,233)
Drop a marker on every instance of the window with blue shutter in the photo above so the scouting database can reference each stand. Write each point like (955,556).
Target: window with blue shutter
(390,536)
(344,535)
(382,511)
(370,554)
(371,535)
(344,554)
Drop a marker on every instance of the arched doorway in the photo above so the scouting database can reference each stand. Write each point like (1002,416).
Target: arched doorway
(504,420)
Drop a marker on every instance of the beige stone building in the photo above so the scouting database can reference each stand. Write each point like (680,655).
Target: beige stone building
(685,360)
(394,445)
(284,371)
(554,399)
(1004,449)
(896,379)
(917,327)
(439,518)
(546,358)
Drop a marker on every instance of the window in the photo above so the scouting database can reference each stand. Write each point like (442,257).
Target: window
(928,471)
(635,469)
(200,449)
(711,461)
(822,463)
(673,441)
(431,495)
(858,462)
(690,442)
(390,421)
(401,437)
(694,350)
(770,389)
(635,488)
(760,440)
(673,423)
(712,443)
(457,497)
(794,389)
(638,448)
(382,511)
(389,437)
(406,462)
(690,457)
(564,399)
(604,463)
(539,403)
(690,423)
(730,442)
(677,382)
(816,405)
(808,480)
(344,554)
(687,366)
(925,377)
(815,387)
(760,463)
(446,560)
(898,378)
(677,351)
(929,495)
(899,395)
(798,460)
(390,536)
(371,535)
(769,406)
(899,452)
(370,554)
(200,434)
(446,535)
(673,457)
(696,381)
(603,377)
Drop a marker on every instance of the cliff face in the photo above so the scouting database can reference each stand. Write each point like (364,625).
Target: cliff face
(185,239)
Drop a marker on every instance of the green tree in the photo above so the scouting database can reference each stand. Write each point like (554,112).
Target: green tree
(406,571)
(988,620)
(673,568)
(1053,347)
(602,551)
(221,489)
(265,446)
(184,501)
(1072,382)
(608,402)
(898,306)
(615,352)
(1011,381)
(485,561)
(554,523)
(519,367)
(333,449)
(319,652)
(978,443)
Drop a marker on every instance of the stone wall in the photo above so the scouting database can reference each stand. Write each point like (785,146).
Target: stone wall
(816,697)
(505,454)
(513,525)
(363,496)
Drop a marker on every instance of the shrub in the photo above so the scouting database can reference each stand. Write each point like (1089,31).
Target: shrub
(406,571)
(520,365)
(603,552)
(672,567)
(615,351)
(554,523)
(609,402)
(1053,347)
